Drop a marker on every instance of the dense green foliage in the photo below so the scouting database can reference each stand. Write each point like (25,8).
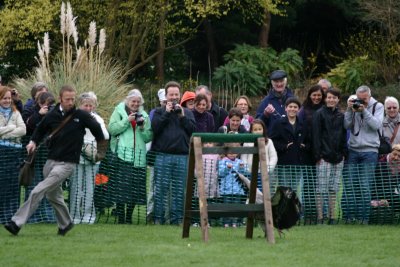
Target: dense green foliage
(352,73)
(248,67)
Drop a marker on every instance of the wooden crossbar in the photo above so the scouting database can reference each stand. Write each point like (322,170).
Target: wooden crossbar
(229,210)
(227,138)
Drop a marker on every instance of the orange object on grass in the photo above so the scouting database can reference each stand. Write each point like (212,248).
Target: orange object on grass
(101,179)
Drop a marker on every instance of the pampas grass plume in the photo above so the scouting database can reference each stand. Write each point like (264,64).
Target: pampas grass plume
(46,44)
(62,19)
(92,34)
(102,41)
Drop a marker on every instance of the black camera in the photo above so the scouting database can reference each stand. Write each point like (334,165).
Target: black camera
(13,93)
(50,107)
(357,103)
(176,108)
(139,119)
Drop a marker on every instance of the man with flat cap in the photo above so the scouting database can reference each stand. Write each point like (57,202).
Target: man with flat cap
(272,107)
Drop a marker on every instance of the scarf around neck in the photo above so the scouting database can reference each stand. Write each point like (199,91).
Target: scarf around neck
(392,122)
(6,112)
(279,95)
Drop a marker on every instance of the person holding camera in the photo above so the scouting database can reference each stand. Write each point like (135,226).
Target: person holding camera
(172,126)
(29,106)
(363,118)
(130,130)
(44,103)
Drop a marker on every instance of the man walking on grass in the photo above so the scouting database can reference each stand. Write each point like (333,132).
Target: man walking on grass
(66,125)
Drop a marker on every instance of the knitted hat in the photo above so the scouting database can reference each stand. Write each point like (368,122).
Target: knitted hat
(187,96)
(161,95)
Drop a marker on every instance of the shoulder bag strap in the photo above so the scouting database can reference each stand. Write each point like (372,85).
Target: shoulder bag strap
(62,124)
(373,112)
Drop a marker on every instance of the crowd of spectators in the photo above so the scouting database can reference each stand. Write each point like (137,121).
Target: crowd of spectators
(314,147)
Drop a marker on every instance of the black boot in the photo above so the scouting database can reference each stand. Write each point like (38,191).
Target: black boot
(121,213)
(129,212)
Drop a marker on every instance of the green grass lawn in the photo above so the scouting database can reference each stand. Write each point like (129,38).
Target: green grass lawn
(140,245)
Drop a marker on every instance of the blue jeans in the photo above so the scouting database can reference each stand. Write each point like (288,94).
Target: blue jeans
(358,180)
(169,187)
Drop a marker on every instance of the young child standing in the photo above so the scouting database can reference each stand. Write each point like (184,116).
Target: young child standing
(230,188)
(258,127)
(210,166)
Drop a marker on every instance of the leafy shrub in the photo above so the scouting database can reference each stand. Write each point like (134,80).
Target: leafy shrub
(353,72)
(248,67)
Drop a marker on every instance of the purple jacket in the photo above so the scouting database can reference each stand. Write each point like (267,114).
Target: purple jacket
(204,122)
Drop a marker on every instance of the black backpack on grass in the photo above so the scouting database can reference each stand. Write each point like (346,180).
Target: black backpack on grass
(286,208)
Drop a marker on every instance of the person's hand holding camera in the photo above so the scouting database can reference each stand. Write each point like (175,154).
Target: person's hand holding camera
(15,95)
(357,105)
(178,109)
(139,119)
(43,110)
(170,106)
(360,108)
(173,106)
(131,116)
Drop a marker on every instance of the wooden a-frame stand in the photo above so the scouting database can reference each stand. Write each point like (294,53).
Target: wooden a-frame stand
(227,210)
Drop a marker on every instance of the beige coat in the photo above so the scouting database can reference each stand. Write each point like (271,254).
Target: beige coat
(272,157)
(14,128)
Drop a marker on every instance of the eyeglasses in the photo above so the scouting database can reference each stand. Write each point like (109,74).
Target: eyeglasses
(389,108)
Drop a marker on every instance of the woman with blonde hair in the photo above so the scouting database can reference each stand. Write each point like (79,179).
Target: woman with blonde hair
(12,128)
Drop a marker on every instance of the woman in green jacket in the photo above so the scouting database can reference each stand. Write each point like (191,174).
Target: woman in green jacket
(130,130)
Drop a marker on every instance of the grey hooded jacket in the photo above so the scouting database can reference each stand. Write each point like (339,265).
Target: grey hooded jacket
(364,127)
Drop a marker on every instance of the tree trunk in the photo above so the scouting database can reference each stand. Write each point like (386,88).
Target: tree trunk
(112,25)
(212,48)
(161,48)
(264,31)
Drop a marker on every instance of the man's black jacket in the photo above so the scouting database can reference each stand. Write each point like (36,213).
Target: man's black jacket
(67,143)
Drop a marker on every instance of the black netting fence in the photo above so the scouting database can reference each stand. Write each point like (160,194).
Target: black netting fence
(148,188)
